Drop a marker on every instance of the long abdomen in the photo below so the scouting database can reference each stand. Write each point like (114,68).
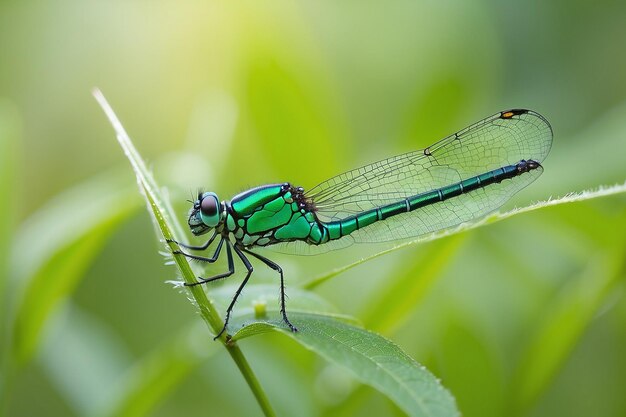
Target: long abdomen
(340,228)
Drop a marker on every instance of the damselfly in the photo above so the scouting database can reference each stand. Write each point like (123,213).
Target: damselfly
(463,176)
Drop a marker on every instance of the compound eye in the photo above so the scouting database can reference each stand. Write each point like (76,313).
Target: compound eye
(209,209)
(208,206)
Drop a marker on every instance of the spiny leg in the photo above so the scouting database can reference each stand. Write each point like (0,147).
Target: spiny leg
(231,269)
(191,247)
(248,266)
(277,268)
(212,259)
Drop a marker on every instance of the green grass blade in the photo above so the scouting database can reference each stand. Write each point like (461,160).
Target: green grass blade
(372,359)
(602,191)
(150,190)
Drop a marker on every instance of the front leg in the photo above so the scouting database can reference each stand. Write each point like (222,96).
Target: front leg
(212,259)
(231,270)
(191,247)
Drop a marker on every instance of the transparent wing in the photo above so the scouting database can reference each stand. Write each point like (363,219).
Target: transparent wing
(496,141)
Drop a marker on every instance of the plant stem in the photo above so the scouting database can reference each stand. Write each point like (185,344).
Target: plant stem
(150,190)
(253,382)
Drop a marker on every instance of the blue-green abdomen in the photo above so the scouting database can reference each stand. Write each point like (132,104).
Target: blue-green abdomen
(340,228)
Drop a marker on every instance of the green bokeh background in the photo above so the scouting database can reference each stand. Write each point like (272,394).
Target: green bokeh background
(526,317)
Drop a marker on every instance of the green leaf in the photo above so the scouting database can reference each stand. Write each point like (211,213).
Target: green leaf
(263,298)
(371,358)
(259,303)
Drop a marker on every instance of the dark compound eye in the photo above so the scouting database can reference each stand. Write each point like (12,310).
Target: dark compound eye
(210,210)
(208,206)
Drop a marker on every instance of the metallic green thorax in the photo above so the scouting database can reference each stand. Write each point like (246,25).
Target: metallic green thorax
(271,214)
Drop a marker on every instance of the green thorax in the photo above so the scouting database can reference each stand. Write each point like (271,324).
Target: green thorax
(272,214)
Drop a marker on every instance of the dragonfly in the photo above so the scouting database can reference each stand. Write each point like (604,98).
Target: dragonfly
(462,177)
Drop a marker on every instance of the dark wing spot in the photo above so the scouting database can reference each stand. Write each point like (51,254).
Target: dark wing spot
(513,112)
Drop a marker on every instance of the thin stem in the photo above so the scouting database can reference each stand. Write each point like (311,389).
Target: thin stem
(150,190)
(212,318)
(253,382)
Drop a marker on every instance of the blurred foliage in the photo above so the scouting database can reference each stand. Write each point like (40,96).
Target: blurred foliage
(525,317)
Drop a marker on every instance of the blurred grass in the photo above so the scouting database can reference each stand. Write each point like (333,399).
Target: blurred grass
(46,271)
(144,386)
(227,96)
(9,143)
(564,322)
(413,283)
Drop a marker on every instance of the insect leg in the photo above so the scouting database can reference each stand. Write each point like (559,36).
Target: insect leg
(212,259)
(191,247)
(231,270)
(248,266)
(277,268)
